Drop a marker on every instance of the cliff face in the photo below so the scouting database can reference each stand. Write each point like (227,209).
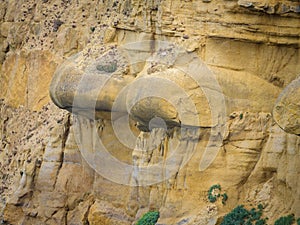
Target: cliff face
(234,121)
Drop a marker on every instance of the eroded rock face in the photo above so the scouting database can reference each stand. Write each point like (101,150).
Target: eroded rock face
(165,82)
(286,112)
(271,7)
(255,152)
(251,48)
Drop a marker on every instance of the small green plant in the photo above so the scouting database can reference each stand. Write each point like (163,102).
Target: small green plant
(108,68)
(285,220)
(213,194)
(242,216)
(298,221)
(260,207)
(212,197)
(149,218)
(224,198)
(241,116)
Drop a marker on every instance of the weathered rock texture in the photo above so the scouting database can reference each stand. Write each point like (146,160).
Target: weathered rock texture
(286,111)
(252,47)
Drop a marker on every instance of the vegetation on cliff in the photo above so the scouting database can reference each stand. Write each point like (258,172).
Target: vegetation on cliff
(242,216)
(149,218)
(214,194)
(286,220)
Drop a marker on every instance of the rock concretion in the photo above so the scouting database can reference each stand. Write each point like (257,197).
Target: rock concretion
(287,108)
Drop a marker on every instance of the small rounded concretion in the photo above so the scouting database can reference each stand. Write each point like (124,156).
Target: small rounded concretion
(286,112)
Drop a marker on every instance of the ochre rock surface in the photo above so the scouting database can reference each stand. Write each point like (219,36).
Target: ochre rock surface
(49,170)
(287,108)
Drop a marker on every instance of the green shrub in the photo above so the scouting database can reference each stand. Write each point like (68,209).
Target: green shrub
(242,216)
(298,221)
(212,197)
(241,116)
(149,218)
(224,198)
(285,220)
(260,207)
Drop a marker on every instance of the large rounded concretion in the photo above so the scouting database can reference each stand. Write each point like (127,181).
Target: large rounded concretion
(174,86)
(286,112)
(89,85)
(169,94)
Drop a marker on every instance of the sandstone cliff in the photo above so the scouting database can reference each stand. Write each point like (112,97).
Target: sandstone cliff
(247,122)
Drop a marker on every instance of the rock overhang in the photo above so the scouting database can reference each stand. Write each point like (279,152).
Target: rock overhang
(167,83)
